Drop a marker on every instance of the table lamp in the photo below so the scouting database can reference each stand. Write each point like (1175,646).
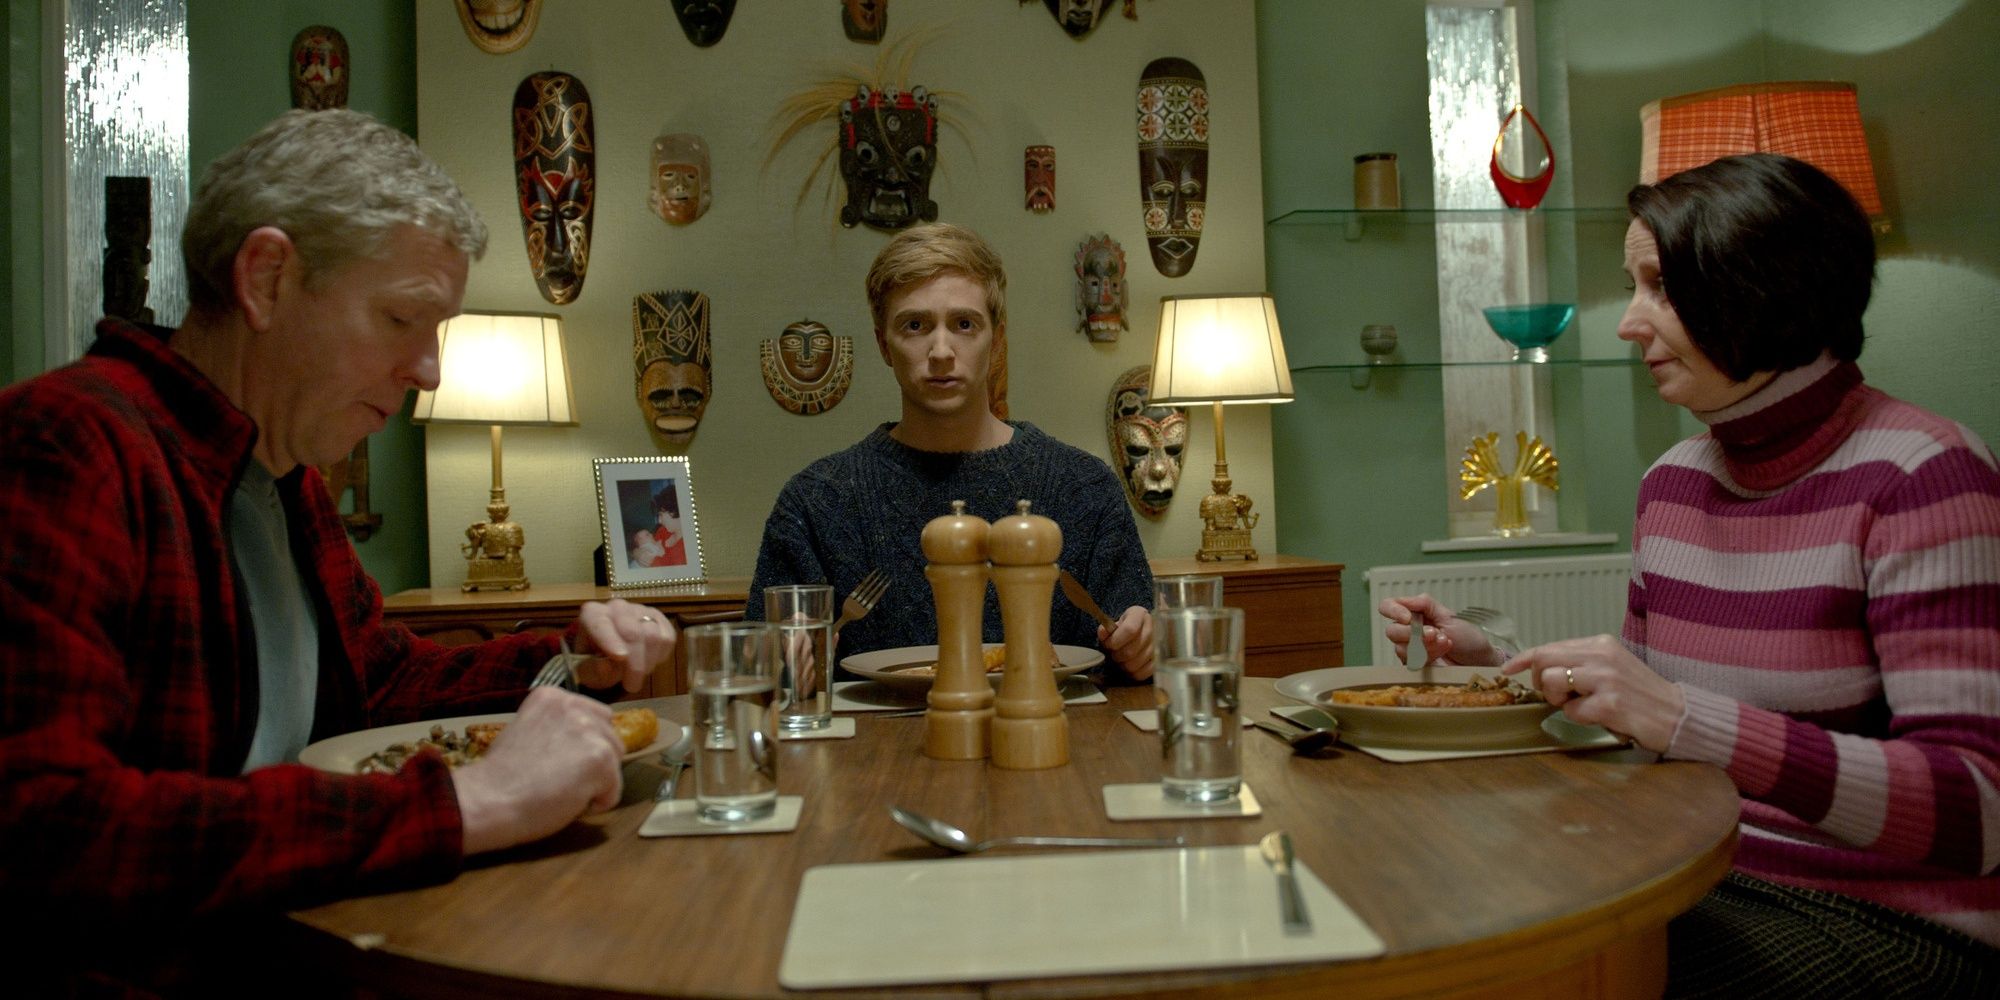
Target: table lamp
(1220,349)
(1818,121)
(498,369)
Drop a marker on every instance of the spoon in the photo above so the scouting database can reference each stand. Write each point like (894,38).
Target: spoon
(1304,742)
(953,839)
(675,759)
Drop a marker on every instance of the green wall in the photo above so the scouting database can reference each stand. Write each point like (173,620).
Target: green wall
(20,193)
(1359,471)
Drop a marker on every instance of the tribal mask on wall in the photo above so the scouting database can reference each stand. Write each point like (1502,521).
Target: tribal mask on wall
(555,173)
(888,149)
(319,68)
(864,20)
(1077,17)
(680,189)
(670,361)
(704,21)
(808,370)
(1146,442)
(499,26)
(1173,161)
(1100,288)
(1039,174)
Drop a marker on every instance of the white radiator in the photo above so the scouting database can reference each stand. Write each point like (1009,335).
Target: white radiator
(1551,598)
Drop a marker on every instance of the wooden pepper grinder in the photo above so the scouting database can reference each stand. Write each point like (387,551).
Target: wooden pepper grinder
(958,723)
(1029,730)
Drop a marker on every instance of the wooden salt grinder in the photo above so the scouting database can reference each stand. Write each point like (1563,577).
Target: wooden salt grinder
(957,724)
(1029,730)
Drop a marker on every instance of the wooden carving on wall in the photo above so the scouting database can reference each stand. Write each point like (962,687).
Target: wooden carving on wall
(128,253)
(351,473)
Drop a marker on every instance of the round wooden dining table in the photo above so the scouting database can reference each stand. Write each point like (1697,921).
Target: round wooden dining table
(1538,874)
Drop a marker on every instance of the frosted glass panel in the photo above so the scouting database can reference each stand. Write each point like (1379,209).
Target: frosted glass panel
(125,111)
(1475,79)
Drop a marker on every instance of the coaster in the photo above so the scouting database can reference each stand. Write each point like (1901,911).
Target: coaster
(1147,719)
(677,819)
(1076,691)
(1147,801)
(842,729)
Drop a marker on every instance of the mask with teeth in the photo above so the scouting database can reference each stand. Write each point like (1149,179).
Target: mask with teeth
(888,150)
(499,26)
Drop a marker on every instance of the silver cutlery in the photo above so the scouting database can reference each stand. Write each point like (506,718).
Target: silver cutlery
(861,600)
(675,759)
(1305,742)
(1277,850)
(560,671)
(953,839)
(1416,655)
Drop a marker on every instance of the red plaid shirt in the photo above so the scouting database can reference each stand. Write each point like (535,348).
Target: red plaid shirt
(128,674)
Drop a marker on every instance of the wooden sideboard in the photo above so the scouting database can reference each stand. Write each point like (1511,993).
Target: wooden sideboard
(1291,611)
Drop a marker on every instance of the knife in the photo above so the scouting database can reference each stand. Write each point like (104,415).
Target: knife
(1416,655)
(1277,850)
(1081,598)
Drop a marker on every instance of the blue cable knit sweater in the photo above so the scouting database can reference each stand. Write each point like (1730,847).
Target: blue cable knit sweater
(867,506)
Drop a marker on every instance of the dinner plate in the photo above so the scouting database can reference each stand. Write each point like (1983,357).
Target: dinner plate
(342,754)
(1418,728)
(891,666)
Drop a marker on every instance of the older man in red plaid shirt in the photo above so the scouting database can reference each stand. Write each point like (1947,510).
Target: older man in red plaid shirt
(181,611)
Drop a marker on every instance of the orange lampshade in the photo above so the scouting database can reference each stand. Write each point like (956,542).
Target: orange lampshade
(1817,121)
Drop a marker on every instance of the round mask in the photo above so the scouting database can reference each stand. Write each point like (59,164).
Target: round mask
(1146,441)
(809,369)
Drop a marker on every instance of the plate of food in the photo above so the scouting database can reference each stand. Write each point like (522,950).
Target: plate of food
(1442,708)
(914,667)
(463,739)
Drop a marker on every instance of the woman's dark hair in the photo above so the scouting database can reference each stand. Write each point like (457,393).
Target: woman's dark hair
(1766,260)
(665,500)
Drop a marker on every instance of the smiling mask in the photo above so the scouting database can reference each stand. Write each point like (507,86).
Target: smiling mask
(499,26)
(670,361)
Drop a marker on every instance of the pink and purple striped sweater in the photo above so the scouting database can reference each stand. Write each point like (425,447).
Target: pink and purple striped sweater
(1820,572)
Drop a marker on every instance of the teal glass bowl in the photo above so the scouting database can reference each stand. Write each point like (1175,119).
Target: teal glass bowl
(1530,328)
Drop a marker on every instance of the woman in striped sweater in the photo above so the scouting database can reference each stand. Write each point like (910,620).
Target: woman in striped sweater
(1814,606)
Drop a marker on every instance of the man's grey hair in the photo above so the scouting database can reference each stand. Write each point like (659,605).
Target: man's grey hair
(336,182)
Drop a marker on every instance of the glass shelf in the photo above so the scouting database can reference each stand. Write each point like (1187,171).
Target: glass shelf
(1404,366)
(1430,216)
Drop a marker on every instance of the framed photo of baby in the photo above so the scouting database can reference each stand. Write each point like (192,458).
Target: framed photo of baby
(645,509)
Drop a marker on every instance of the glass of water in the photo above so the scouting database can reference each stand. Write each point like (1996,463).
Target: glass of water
(804,616)
(1198,658)
(733,673)
(1193,591)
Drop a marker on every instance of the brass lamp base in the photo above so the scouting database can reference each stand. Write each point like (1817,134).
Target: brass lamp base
(492,551)
(1221,544)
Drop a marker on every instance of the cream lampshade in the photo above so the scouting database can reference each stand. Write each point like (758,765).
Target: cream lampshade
(498,369)
(1220,349)
(1818,121)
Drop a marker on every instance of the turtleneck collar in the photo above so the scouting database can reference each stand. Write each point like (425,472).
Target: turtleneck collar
(1780,432)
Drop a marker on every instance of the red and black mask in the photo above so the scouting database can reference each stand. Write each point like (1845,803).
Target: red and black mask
(1173,161)
(1100,288)
(888,150)
(1039,170)
(555,173)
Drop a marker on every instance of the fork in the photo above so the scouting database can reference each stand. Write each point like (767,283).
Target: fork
(560,671)
(861,599)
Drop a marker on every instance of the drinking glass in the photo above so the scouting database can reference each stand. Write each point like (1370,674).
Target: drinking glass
(804,616)
(1198,654)
(1192,591)
(733,674)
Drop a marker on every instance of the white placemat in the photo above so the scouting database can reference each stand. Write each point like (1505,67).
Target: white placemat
(842,729)
(1019,916)
(1147,801)
(678,819)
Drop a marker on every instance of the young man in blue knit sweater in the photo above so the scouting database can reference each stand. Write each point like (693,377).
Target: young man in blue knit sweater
(938,295)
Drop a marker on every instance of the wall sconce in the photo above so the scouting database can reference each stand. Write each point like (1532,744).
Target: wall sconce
(1220,349)
(1818,121)
(498,369)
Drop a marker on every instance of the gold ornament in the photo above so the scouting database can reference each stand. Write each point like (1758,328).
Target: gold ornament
(1480,468)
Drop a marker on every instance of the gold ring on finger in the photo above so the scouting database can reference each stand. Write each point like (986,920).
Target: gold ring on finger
(1569,678)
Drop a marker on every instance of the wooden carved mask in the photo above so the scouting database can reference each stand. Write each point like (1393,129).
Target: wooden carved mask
(680,185)
(1078,17)
(555,172)
(319,68)
(499,26)
(1100,288)
(704,21)
(670,361)
(1146,442)
(864,20)
(888,149)
(1173,161)
(809,368)
(1039,168)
